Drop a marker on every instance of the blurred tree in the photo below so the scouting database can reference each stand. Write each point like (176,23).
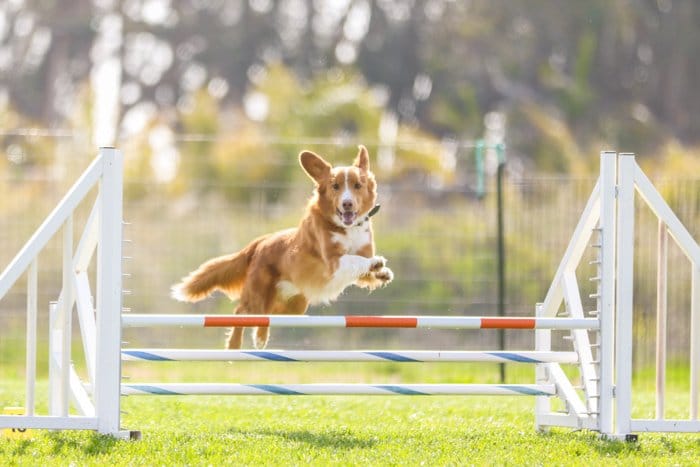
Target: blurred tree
(613,72)
(254,149)
(200,120)
(44,51)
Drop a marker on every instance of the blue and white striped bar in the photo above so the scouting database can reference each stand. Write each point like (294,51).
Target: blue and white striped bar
(166,355)
(332,389)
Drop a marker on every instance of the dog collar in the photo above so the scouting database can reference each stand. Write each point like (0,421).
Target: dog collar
(371,213)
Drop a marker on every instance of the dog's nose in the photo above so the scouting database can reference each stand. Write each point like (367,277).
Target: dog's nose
(348,204)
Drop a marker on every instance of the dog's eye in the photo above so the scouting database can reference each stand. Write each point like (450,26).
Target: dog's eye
(357,186)
(336,187)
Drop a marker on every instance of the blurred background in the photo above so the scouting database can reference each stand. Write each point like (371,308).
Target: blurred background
(211,101)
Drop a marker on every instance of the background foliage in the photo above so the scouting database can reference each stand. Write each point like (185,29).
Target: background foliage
(212,100)
(570,77)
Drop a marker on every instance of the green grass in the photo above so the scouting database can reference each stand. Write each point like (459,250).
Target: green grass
(341,431)
(338,430)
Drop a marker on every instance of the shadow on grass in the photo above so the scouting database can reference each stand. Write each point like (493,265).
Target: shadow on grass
(20,448)
(90,444)
(335,439)
(594,440)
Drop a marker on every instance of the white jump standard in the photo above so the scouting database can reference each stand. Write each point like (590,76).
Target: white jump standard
(599,342)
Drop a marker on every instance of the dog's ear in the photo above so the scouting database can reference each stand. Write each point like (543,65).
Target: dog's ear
(314,166)
(362,159)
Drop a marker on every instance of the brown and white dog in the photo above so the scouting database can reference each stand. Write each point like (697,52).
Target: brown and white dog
(285,271)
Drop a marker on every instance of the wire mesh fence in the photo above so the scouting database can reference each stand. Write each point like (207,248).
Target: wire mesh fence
(435,227)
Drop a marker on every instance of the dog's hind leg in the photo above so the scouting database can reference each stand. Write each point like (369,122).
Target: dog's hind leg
(260,299)
(260,337)
(235,336)
(295,305)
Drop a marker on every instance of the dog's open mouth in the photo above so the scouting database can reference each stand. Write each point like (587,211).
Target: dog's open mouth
(348,217)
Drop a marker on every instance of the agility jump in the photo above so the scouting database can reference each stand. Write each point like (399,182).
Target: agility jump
(601,342)
(406,356)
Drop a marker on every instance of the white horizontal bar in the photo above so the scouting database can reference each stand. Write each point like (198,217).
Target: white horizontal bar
(181,389)
(48,422)
(567,323)
(679,426)
(568,421)
(144,320)
(347,355)
(435,322)
(287,321)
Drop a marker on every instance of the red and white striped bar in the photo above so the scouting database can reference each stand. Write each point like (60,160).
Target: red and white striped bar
(399,356)
(335,389)
(295,321)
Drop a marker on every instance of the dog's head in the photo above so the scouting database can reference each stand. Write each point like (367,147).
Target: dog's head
(343,194)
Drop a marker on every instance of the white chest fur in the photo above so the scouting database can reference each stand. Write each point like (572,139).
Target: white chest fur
(350,268)
(354,238)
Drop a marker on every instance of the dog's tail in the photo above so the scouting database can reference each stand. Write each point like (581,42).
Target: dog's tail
(225,273)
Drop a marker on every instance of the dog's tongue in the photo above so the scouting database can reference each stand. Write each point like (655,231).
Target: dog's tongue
(348,217)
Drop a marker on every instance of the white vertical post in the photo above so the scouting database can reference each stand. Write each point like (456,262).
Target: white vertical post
(695,341)
(606,315)
(55,352)
(624,295)
(543,342)
(66,313)
(109,295)
(661,313)
(31,338)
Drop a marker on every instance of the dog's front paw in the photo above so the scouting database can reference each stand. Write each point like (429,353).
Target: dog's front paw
(384,275)
(377,263)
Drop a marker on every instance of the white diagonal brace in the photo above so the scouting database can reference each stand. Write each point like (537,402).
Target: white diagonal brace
(662,210)
(574,251)
(589,375)
(566,391)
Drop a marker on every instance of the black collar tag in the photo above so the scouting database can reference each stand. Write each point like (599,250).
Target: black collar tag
(371,213)
(374,210)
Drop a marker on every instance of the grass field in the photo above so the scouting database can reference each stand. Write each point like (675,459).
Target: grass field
(339,430)
(381,430)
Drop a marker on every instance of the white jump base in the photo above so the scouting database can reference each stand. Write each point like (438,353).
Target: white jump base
(600,340)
